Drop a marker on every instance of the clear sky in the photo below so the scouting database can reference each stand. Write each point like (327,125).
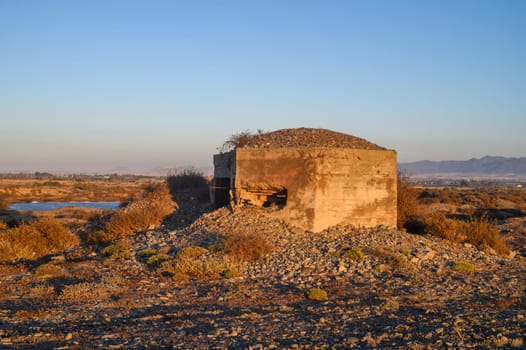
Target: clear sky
(98,85)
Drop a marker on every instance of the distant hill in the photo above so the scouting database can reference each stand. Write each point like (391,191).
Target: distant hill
(486,167)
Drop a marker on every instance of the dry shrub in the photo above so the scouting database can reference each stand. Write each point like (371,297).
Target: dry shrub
(246,246)
(202,266)
(146,212)
(189,182)
(395,260)
(191,252)
(480,232)
(36,239)
(4,205)
(407,203)
(92,290)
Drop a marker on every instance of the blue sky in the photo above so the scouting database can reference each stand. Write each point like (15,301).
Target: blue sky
(97,85)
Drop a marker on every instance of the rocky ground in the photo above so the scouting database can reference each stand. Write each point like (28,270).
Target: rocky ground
(306,137)
(406,292)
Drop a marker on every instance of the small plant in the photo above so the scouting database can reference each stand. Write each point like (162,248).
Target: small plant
(146,253)
(191,252)
(464,266)
(231,273)
(157,259)
(117,251)
(395,260)
(354,254)
(316,294)
(406,251)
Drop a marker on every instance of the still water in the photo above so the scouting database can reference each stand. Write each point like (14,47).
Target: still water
(40,206)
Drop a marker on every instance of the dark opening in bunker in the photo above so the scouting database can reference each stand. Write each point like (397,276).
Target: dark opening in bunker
(221,191)
(264,195)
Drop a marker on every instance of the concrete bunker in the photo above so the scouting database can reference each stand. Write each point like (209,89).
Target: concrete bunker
(316,178)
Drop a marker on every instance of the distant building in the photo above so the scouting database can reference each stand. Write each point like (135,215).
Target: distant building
(318,178)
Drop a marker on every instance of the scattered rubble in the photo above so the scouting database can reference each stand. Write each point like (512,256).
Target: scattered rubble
(403,293)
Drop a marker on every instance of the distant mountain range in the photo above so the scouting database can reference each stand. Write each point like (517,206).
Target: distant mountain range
(486,167)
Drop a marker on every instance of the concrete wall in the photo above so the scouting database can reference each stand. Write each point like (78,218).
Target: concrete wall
(325,186)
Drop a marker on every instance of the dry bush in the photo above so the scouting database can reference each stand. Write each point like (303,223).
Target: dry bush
(246,246)
(36,239)
(236,140)
(202,266)
(4,205)
(407,203)
(92,290)
(480,232)
(146,212)
(189,182)
(395,260)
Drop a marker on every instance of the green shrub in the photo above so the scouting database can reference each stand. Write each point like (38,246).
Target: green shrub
(316,294)
(157,259)
(354,254)
(146,253)
(464,266)
(35,240)
(231,273)
(117,251)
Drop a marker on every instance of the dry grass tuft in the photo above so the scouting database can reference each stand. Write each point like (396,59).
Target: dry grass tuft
(144,213)
(464,266)
(480,232)
(91,290)
(395,260)
(407,203)
(194,263)
(316,294)
(35,240)
(246,246)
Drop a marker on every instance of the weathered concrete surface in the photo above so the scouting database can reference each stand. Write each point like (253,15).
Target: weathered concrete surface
(325,186)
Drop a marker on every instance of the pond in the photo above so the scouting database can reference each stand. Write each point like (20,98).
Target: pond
(42,206)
